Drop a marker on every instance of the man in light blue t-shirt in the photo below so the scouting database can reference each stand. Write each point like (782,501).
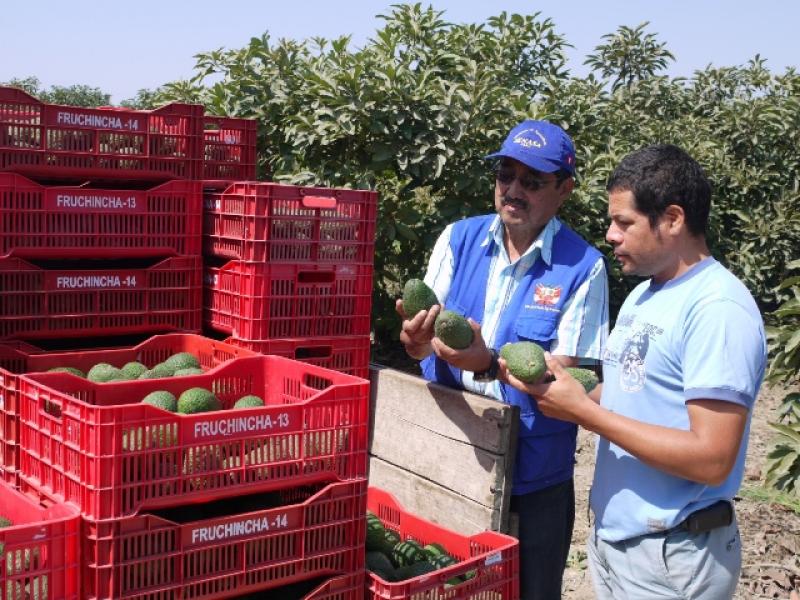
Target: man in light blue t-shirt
(681,372)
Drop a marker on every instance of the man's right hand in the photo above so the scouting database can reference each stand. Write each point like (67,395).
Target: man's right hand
(417,332)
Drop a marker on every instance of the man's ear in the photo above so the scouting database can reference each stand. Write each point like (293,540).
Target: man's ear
(566,187)
(674,217)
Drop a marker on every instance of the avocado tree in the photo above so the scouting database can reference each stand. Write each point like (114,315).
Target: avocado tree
(413,112)
(783,461)
(73,95)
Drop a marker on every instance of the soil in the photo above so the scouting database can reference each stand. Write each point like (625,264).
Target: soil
(770,532)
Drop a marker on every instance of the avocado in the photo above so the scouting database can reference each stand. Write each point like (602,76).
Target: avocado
(417,296)
(586,377)
(453,329)
(161,399)
(182,360)
(103,372)
(157,372)
(133,369)
(524,360)
(197,400)
(188,371)
(249,401)
(72,370)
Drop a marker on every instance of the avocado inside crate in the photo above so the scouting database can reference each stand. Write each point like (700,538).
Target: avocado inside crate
(98,445)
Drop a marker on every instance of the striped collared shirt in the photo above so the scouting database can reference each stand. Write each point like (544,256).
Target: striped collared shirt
(583,325)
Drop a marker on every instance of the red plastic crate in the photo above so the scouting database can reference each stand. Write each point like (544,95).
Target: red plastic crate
(75,222)
(98,446)
(230,148)
(37,303)
(315,531)
(493,556)
(266,301)
(211,353)
(40,551)
(349,355)
(270,222)
(9,428)
(344,587)
(16,357)
(49,140)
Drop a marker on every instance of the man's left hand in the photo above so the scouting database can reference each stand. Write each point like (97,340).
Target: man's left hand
(476,357)
(562,397)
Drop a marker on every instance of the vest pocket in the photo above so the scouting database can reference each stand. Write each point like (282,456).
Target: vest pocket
(539,328)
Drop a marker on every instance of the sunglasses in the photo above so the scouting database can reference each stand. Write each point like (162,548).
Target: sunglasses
(528,182)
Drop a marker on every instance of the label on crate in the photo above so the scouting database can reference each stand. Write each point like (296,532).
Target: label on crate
(493,559)
(259,525)
(212,203)
(97,119)
(95,201)
(87,280)
(242,426)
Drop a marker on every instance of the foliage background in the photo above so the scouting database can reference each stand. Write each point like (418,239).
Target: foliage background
(413,111)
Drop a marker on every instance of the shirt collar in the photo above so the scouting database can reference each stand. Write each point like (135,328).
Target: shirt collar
(543,243)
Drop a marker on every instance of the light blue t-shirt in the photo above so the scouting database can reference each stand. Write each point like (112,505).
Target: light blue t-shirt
(697,336)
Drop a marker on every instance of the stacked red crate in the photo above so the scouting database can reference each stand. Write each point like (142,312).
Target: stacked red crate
(487,563)
(39,547)
(100,222)
(288,270)
(54,141)
(208,505)
(100,225)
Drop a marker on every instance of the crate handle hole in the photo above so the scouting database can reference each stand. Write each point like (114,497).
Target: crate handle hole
(316,277)
(305,352)
(319,202)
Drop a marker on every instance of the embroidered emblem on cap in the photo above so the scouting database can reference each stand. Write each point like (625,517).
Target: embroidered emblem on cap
(526,139)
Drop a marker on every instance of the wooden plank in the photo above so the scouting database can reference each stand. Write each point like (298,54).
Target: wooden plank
(440,458)
(477,420)
(433,502)
(449,445)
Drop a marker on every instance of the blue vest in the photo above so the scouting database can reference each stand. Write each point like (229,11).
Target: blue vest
(546,447)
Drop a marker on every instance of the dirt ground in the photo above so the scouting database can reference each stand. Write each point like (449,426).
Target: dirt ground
(770,533)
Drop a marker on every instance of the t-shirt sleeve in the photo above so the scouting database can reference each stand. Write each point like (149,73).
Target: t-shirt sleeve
(441,264)
(723,353)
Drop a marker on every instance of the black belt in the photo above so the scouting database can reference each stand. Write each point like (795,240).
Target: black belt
(719,514)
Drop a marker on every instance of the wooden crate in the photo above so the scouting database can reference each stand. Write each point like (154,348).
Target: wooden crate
(446,455)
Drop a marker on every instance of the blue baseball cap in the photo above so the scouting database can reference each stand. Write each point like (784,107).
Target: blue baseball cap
(539,145)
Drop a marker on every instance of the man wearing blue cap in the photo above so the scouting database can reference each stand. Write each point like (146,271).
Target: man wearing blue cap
(521,274)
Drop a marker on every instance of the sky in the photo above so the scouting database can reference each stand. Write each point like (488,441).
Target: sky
(121,47)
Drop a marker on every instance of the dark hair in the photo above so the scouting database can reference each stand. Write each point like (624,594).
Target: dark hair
(661,175)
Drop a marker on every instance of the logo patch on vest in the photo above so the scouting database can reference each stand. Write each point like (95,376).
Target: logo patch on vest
(546,295)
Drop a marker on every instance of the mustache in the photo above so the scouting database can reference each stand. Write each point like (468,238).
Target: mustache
(518,202)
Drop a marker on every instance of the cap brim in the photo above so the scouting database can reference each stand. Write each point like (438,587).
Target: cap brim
(534,162)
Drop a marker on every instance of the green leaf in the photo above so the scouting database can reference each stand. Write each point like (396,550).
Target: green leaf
(787,431)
